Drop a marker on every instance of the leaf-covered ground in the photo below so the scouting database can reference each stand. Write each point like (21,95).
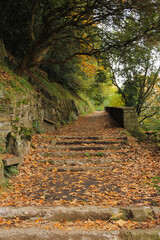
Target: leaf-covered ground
(87,225)
(127,180)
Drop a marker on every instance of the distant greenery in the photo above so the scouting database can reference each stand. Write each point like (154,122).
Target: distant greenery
(152,124)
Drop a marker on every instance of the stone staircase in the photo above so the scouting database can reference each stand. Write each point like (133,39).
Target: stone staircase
(82,154)
(84,215)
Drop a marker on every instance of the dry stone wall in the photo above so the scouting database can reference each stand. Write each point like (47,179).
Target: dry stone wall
(16,117)
(25,114)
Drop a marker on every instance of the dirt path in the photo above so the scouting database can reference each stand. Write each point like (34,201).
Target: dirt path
(91,162)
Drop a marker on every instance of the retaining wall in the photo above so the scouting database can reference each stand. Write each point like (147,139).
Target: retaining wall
(125,116)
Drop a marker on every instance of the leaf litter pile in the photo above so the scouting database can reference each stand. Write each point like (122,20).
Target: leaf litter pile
(128,179)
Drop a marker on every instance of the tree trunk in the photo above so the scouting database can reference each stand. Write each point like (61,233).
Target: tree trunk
(35,57)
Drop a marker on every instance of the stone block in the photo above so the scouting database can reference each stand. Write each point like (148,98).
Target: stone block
(73,116)
(17,146)
(3,134)
(5,117)
(12,161)
(50,115)
(5,126)
(24,122)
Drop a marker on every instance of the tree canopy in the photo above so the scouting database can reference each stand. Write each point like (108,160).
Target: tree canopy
(32,30)
(72,39)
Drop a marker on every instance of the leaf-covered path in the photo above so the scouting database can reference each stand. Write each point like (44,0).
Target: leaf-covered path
(105,167)
(91,162)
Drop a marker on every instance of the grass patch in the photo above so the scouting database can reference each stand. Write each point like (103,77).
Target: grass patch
(100,154)
(40,80)
(87,155)
(12,82)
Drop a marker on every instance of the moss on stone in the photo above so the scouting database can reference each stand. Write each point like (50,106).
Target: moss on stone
(2,179)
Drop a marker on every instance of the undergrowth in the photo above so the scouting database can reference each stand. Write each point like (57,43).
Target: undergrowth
(156,183)
(57,90)
(10,171)
(12,83)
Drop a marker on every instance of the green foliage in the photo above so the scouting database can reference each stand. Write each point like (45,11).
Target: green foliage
(26,133)
(135,74)
(6,185)
(2,150)
(24,101)
(50,88)
(109,97)
(3,108)
(38,30)
(10,171)
(36,126)
(13,84)
(66,73)
(97,94)
(53,90)
(156,183)
(100,76)
(56,35)
(83,104)
(102,92)
(151,124)
(100,154)
(17,119)
(87,154)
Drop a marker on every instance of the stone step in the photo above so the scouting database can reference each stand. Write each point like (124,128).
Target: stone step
(78,161)
(3,133)
(92,137)
(12,161)
(86,148)
(44,234)
(71,154)
(80,169)
(140,214)
(79,142)
(6,117)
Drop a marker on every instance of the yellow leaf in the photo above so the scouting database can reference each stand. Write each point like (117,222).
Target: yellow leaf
(37,221)
(54,169)
(121,222)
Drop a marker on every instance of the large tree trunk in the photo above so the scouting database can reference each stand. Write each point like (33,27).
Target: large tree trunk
(35,56)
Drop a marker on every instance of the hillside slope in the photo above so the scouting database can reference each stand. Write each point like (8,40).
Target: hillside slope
(31,104)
